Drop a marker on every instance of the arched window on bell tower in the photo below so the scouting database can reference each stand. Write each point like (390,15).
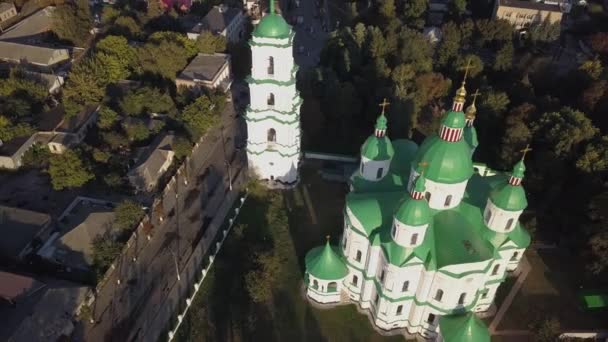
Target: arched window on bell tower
(270,66)
(271,138)
(270,100)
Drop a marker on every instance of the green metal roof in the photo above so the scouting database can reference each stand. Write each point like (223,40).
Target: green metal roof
(509,197)
(413,212)
(419,184)
(272,26)
(448,162)
(454,119)
(470,136)
(377,149)
(463,328)
(325,262)
(519,169)
(381,122)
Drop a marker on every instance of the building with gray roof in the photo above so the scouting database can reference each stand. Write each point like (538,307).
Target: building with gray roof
(151,163)
(210,71)
(221,20)
(22,230)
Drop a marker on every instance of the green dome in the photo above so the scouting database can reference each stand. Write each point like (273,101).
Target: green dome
(509,197)
(272,26)
(381,122)
(519,169)
(325,263)
(413,212)
(448,162)
(377,149)
(463,328)
(419,184)
(470,136)
(453,119)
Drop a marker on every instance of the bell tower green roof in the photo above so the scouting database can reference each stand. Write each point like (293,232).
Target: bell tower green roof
(448,162)
(413,212)
(463,328)
(272,25)
(325,263)
(509,197)
(454,119)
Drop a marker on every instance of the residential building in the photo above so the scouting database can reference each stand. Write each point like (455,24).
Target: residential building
(273,117)
(12,151)
(209,71)
(36,57)
(151,163)
(221,20)
(23,232)
(523,14)
(36,310)
(32,29)
(7,11)
(427,237)
(53,83)
(71,245)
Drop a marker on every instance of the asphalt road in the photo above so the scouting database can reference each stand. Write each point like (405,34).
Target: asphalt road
(143,276)
(307,44)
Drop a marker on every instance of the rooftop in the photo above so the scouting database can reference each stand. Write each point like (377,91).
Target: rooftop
(37,55)
(14,287)
(150,159)
(30,27)
(19,227)
(533,5)
(216,20)
(74,123)
(79,227)
(5,6)
(8,148)
(204,67)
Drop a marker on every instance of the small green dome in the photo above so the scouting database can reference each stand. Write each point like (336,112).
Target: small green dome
(419,184)
(272,26)
(509,197)
(448,162)
(519,169)
(381,122)
(453,119)
(470,136)
(413,212)
(463,328)
(325,262)
(378,149)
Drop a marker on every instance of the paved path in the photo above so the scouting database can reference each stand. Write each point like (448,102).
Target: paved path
(525,270)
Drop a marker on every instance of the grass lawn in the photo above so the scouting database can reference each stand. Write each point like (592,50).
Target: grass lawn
(283,225)
(551,290)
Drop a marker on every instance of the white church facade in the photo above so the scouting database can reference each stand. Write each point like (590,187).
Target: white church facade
(426,240)
(273,116)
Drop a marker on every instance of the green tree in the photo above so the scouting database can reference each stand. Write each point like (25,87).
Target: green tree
(104,251)
(562,132)
(208,42)
(146,100)
(413,11)
(86,85)
(8,130)
(115,140)
(106,118)
(67,170)
(516,134)
(494,103)
(154,9)
(72,22)
(118,48)
(37,156)
(592,68)
(136,131)
(128,214)
(504,58)
(458,7)
(595,157)
(429,87)
(545,31)
(261,282)
(416,50)
(593,95)
(164,59)
(546,330)
(126,26)
(476,66)
(450,43)
(387,9)
(182,147)
(201,115)
(101,156)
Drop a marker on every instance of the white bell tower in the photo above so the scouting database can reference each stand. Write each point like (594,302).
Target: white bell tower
(273,117)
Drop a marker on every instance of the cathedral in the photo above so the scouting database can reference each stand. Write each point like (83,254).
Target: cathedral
(428,236)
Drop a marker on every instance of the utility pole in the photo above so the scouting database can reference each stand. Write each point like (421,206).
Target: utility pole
(228,166)
(175,261)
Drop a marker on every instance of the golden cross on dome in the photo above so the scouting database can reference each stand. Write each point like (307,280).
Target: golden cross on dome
(525,150)
(466,70)
(384,104)
(475,94)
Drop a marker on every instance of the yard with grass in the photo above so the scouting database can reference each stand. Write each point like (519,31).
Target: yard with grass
(552,290)
(253,291)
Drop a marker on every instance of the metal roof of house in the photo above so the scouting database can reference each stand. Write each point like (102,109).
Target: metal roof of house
(37,55)
(533,5)
(205,67)
(30,27)
(18,228)
(152,158)
(5,6)
(216,20)
(8,148)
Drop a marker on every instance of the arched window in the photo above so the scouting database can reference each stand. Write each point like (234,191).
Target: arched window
(355,280)
(270,66)
(382,276)
(515,255)
(495,270)
(414,239)
(438,295)
(405,286)
(428,196)
(461,298)
(315,284)
(488,215)
(344,243)
(394,232)
(270,100)
(399,310)
(272,135)
(431,319)
(332,287)
(362,167)
(358,257)
(379,173)
(448,200)
(509,224)
(376,300)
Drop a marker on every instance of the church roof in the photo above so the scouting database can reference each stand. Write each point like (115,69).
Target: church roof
(413,212)
(272,26)
(325,262)
(376,148)
(509,197)
(463,328)
(454,119)
(447,162)
(443,245)
(470,136)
